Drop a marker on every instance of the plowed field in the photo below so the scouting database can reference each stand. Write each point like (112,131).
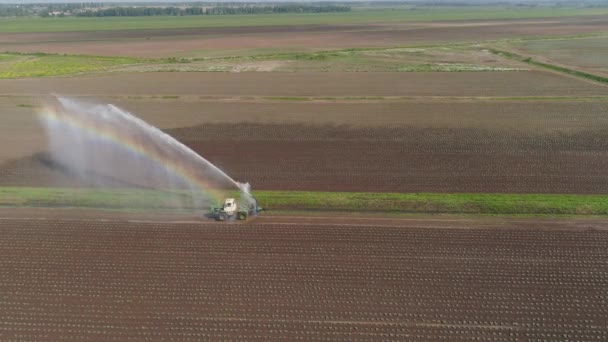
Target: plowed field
(480,146)
(321,84)
(406,159)
(286,279)
(228,41)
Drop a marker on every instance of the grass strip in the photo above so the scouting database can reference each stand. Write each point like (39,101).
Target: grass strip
(548,66)
(508,204)
(460,203)
(19,65)
(86,198)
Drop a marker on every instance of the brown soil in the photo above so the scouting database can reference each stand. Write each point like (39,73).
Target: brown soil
(398,159)
(20,130)
(269,281)
(493,146)
(338,158)
(522,83)
(172,42)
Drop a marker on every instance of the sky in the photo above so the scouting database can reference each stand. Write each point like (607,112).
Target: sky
(183,1)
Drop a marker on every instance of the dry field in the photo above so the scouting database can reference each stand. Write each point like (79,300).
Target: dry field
(321,84)
(230,41)
(587,54)
(407,159)
(345,279)
(83,275)
(538,146)
(367,131)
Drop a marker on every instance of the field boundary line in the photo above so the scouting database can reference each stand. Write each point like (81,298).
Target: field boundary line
(311,100)
(301,221)
(552,67)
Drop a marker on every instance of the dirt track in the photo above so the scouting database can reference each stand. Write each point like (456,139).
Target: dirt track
(357,281)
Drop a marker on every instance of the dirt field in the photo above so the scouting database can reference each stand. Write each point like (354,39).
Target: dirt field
(90,275)
(171,100)
(245,40)
(347,279)
(365,131)
(410,146)
(412,159)
(587,54)
(524,83)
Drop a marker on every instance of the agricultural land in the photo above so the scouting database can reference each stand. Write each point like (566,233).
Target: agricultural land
(430,173)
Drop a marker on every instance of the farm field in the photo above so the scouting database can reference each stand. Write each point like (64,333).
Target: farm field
(311,279)
(588,54)
(423,155)
(319,84)
(16,65)
(135,203)
(243,40)
(290,37)
(417,145)
(387,145)
(387,15)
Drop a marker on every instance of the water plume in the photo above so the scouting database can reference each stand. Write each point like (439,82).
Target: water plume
(105,145)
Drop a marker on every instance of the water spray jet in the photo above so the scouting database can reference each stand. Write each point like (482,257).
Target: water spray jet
(93,140)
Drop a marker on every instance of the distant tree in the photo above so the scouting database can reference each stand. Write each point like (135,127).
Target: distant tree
(223,9)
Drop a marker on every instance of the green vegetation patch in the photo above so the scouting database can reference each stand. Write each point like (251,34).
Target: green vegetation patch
(86,198)
(439,58)
(443,58)
(496,204)
(41,65)
(7,57)
(430,203)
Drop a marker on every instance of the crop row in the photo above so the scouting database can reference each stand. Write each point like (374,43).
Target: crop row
(79,280)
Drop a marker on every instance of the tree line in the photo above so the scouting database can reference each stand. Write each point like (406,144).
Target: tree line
(139,10)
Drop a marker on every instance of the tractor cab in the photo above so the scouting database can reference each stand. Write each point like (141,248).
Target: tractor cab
(230,206)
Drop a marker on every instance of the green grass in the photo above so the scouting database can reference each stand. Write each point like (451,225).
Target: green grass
(390,59)
(443,58)
(87,198)
(42,65)
(31,24)
(495,204)
(463,203)
(591,98)
(7,57)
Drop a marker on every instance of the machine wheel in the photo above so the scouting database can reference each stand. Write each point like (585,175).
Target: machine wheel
(242,216)
(222,217)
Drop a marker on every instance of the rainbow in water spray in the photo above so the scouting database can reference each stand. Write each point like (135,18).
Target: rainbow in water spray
(75,123)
